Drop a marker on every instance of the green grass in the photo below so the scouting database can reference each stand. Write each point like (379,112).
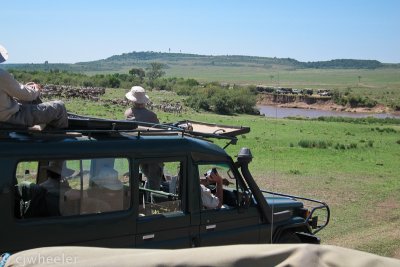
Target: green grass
(382,85)
(361,183)
(313,78)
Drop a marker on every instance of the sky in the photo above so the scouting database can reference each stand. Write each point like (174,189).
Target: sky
(70,31)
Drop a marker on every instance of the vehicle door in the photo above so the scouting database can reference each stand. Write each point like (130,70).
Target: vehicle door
(163,220)
(236,222)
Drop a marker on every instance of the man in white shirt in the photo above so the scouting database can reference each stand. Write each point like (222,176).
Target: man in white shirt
(208,199)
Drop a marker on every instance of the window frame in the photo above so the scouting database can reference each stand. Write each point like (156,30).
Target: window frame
(44,161)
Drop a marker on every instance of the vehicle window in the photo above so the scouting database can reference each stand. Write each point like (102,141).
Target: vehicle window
(65,187)
(160,188)
(210,175)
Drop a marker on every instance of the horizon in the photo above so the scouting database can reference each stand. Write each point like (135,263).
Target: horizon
(308,31)
(157,52)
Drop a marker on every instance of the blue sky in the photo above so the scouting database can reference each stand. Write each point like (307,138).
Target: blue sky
(69,31)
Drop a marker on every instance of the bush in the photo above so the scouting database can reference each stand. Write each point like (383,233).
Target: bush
(352,145)
(222,100)
(359,101)
(197,102)
(296,172)
(314,144)
(395,106)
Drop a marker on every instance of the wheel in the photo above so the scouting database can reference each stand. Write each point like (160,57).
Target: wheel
(289,237)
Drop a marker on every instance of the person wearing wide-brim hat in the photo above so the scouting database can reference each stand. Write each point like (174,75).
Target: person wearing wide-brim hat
(106,190)
(107,178)
(57,172)
(17,107)
(139,112)
(57,187)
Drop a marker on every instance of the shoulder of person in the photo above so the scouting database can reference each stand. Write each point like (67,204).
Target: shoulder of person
(128,111)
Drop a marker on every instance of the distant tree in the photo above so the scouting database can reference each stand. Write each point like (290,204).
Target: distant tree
(114,82)
(154,72)
(137,72)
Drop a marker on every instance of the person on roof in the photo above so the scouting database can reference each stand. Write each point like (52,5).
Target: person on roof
(139,112)
(17,107)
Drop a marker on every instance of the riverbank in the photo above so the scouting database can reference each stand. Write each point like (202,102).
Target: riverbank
(329,105)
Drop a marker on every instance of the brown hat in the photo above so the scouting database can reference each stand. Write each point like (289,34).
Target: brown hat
(60,167)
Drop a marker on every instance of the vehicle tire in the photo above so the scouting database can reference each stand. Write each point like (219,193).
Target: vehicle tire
(289,237)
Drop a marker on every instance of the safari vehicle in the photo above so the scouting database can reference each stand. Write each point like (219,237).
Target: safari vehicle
(127,211)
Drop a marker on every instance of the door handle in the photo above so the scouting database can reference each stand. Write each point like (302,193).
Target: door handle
(147,237)
(211,227)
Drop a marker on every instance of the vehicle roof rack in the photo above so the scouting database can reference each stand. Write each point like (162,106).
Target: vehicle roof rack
(92,125)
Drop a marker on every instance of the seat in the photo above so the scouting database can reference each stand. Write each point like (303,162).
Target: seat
(30,200)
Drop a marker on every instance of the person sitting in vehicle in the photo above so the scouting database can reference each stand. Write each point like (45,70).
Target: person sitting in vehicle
(57,187)
(208,199)
(107,190)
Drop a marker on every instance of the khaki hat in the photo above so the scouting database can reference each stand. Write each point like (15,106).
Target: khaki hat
(108,178)
(137,94)
(3,54)
(59,167)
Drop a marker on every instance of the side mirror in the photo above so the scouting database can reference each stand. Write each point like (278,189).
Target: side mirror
(245,199)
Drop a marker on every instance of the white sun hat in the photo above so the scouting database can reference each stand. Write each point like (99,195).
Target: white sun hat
(108,178)
(137,94)
(3,54)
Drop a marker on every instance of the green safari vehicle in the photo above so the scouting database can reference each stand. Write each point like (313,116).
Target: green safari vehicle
(125,184)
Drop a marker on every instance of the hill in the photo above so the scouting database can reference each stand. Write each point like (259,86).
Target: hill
(126,61)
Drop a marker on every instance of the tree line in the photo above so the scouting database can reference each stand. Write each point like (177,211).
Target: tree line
(213,97)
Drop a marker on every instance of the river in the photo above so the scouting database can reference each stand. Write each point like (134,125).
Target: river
(277,112)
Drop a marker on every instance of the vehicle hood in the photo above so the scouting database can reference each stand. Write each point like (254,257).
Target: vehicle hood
(280,203)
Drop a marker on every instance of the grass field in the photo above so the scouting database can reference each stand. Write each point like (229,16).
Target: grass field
(382,85)
(353,167)
(337,78)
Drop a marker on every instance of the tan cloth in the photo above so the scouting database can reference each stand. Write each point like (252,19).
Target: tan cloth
(295,255)
(141,114)
(10,89)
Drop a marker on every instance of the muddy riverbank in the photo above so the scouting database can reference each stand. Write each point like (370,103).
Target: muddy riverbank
(328,106)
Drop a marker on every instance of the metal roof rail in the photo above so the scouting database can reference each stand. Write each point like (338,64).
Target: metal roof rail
(93,126)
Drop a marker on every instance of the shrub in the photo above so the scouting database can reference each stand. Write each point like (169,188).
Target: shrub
(352,145)
(222,100)
(314,144)
(359,101)
(296,172)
